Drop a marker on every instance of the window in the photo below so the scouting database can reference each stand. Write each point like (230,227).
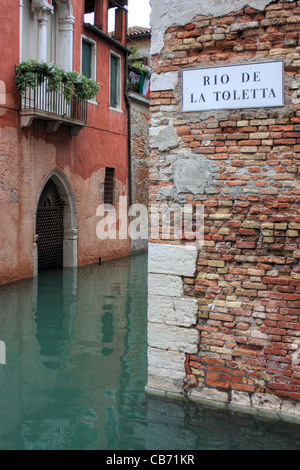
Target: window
(115,82)
(88,57)
(86,66)
(109,186)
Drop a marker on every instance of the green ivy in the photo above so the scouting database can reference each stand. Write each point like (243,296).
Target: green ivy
(75,85)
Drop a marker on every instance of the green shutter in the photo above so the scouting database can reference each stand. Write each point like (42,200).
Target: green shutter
(86,59)
(113,81)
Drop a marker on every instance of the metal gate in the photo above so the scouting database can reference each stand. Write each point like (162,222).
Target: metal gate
(49,228)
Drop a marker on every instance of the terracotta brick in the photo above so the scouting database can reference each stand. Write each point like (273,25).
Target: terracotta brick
(185,130)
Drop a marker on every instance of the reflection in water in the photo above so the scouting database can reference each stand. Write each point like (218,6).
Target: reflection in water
(76,372)
(52,321)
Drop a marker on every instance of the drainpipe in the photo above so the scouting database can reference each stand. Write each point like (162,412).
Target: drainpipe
(128,105)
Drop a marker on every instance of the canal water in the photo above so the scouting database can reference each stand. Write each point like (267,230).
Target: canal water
(76,370)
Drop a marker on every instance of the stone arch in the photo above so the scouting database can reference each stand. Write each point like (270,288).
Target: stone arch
(65,7)
(70,221)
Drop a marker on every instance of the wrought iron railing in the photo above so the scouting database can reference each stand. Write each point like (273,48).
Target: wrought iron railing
(42,99)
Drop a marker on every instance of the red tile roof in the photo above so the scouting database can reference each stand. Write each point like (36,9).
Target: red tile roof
(138,31)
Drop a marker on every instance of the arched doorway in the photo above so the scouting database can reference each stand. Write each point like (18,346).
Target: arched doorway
(49,228)
(55,241)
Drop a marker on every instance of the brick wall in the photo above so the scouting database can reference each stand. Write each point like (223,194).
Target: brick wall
(139,148)
(139,159)
(247,278)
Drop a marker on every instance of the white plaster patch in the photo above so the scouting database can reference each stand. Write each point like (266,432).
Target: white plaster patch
(163,137)
(165,81)
(172,259)
(186,167)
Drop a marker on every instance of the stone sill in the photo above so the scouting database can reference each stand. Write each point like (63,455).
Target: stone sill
(138,97)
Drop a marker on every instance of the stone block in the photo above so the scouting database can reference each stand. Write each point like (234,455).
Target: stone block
(173,338)
(172,310)
(240,398)
(172,259)
(165,285)
(164,363)
(266,401)
(165,81)
(166,370)
(208,394)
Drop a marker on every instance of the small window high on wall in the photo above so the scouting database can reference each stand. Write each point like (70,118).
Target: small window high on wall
(109,186)
(89,11)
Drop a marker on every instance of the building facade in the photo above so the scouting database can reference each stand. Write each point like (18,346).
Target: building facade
(61,158)
(223,311)
(139,41)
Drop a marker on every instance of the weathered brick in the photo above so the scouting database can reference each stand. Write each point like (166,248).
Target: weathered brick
(248,279)
(246,245)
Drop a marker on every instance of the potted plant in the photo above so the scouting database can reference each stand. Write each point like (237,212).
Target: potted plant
(31,73)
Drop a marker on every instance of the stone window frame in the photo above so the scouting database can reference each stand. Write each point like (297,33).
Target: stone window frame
(109,187)
(70,256)
(118,107)
(93,60)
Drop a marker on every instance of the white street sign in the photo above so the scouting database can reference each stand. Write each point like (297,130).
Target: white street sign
(252,85)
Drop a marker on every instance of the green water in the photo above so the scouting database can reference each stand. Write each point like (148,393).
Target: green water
(76,370)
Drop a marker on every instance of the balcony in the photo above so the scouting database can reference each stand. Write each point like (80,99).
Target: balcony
(139,80)
(41,101)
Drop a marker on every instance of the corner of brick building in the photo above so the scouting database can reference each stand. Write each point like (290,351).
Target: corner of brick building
(247,278)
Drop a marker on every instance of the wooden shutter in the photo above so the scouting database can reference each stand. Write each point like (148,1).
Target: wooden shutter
(86,59)
(113,81)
